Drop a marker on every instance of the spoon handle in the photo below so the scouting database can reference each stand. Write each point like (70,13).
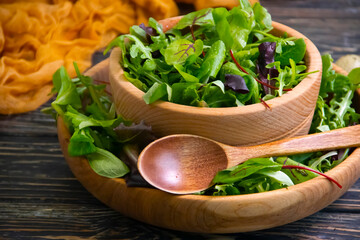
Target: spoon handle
(325,141)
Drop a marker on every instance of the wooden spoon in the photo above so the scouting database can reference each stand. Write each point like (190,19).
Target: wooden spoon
(184,164)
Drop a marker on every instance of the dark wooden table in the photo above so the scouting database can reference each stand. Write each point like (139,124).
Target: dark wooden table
(41,199)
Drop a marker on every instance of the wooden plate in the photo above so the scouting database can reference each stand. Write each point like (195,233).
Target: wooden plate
(208,214)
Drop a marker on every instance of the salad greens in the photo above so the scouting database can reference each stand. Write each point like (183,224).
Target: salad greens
(191,63)
(218,56)
(333,110)
(97,133)
(104,138)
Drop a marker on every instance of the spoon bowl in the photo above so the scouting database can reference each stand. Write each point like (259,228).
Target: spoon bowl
(184,164)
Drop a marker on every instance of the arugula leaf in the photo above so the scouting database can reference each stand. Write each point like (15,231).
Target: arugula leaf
(142,32)
(136,82)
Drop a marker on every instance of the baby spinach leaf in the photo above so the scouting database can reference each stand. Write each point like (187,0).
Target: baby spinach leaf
(296,175)
(107,164)
(262,17)
(222,26)
(81,143)
(277,177)
(213,61)
(155,26)
(185,93)
(213,96)
(156,92)
(241,23)
(295,52)
(251,54)
(179,50)
(354,76)
(67,93)
(187,77)
(246,169)
(220,84)
(81,121)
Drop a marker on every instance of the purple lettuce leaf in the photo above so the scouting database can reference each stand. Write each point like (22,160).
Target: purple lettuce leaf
(235,83)
(266,56)
(149,32)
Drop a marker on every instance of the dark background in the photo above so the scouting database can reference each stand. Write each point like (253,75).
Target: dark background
(41,199)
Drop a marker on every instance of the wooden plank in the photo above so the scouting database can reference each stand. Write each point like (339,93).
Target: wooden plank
(40,198)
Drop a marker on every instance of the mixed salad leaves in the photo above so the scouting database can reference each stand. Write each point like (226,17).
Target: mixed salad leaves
(212,58)
(333,110)
(104,138)
(97,132)
(112,144)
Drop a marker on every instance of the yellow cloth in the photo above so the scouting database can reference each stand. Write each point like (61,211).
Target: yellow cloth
(39,36)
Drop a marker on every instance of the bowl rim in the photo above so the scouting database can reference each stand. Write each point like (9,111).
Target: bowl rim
(312,61)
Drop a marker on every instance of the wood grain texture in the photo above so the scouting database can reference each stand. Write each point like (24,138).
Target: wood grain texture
(207,214)
(41,199)
(290,114)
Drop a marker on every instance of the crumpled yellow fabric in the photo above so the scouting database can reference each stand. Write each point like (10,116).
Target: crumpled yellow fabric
(39,36)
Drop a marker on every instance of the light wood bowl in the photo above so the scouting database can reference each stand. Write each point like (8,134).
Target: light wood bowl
(290,114)
(208,214)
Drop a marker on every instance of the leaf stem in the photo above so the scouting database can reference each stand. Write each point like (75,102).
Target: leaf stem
(312,170)
(261,82)
(265,104)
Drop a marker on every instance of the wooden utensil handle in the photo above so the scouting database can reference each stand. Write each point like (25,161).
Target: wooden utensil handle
(325,141)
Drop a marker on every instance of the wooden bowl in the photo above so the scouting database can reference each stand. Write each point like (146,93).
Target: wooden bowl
(290,114)
(208,214)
